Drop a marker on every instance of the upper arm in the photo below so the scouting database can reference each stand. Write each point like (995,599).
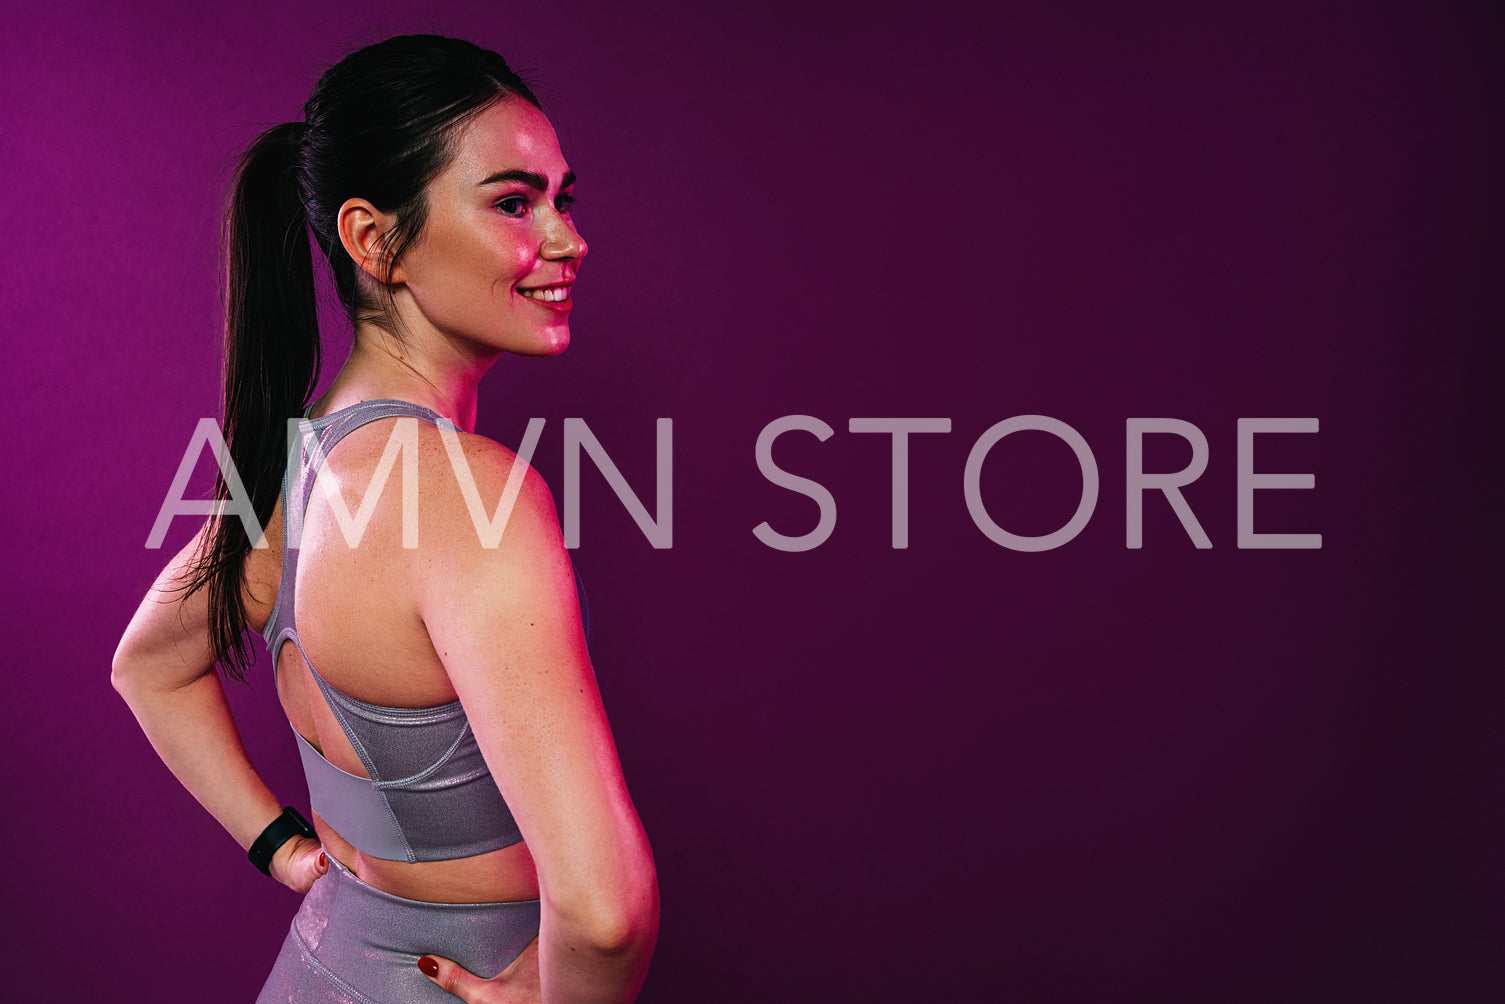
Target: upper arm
(505,622)
(167,644)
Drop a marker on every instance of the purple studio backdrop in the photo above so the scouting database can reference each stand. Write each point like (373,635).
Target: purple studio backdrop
(955,770)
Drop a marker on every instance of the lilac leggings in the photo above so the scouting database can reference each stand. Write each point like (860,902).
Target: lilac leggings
(351,943)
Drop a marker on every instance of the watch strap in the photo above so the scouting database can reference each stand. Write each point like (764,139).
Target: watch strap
(282,829)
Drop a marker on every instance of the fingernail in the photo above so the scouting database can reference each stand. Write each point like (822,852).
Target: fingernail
(429,967)
(323,861)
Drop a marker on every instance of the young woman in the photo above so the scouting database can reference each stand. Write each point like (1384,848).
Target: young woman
(471,830)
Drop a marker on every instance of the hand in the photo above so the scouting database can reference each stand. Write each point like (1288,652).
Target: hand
(517,984)
(298,863)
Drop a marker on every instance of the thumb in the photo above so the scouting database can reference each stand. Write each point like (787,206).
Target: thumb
(453,978)
(298,863)
(310,864)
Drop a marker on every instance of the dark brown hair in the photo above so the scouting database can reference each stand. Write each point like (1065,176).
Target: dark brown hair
(379,125)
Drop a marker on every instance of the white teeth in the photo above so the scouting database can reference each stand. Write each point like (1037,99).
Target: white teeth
(554,294)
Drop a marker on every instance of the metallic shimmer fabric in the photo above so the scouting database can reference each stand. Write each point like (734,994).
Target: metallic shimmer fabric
(351,943)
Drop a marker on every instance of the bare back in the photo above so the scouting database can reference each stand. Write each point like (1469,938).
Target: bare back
(359,622)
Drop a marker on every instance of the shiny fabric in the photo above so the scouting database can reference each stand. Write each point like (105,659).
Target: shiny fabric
(429,795)
(351,943)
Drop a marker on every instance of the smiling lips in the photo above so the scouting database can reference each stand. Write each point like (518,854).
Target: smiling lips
(551,295)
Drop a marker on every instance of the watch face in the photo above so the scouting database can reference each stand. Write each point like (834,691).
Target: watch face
(304,827)
(301,825)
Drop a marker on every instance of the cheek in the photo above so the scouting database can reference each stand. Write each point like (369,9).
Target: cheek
(507,263)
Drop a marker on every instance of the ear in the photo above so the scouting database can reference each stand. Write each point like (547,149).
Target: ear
(362,228)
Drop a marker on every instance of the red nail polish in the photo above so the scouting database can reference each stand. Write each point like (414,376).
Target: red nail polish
(429,967)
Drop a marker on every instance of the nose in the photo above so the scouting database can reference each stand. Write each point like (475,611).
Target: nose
(561,240)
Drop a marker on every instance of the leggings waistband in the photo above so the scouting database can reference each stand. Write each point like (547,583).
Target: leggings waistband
(371,940)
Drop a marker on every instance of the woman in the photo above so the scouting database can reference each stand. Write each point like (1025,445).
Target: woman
(471,830)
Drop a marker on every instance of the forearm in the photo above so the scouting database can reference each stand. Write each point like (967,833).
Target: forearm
(193,730)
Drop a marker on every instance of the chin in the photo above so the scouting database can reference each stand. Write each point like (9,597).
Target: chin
(546,347)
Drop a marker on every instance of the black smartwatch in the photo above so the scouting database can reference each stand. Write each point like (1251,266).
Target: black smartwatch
(282,829)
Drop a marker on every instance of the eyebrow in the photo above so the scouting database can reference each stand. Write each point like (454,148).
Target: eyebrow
(532,179)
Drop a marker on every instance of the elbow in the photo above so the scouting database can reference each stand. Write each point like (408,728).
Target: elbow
(624,922)
(631,929)
(120,675)
(125,673)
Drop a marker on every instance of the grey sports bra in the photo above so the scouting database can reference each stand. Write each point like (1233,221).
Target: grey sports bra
(430,796)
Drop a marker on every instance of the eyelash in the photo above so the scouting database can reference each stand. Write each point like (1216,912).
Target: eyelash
(561,204)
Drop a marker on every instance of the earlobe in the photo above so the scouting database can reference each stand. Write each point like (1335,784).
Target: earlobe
(362,229)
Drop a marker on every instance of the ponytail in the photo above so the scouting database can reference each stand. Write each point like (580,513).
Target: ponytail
(379,125)
(271,364)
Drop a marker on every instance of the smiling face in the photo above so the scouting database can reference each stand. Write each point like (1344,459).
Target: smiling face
(492,270)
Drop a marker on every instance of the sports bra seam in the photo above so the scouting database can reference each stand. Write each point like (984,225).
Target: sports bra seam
(424,774)
(415,712)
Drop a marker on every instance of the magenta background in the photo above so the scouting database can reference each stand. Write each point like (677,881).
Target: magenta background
(953,772)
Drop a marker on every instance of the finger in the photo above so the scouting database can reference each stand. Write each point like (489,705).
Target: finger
(452,978)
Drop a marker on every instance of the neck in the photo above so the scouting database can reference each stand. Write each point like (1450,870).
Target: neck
(435,373)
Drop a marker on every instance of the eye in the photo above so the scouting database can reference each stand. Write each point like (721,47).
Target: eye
(513,205)
(564,202)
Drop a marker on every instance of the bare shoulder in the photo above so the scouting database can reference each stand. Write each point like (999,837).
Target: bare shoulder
(487,514)
(469,477)
(495,584)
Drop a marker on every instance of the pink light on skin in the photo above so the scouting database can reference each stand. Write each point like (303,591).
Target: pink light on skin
(495,268)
